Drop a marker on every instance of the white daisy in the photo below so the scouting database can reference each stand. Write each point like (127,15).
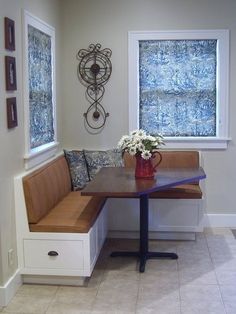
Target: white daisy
(132,150)
(141,147)
(123,141)
(146,154)
(150,138)
(138,141)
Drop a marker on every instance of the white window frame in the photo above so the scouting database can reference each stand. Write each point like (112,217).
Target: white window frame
(220,141)
(39,154)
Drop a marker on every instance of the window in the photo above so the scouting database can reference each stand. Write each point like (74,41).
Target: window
(178,86)
(39,90)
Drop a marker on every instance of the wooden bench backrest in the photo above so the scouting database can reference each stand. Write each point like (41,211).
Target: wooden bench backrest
(45,187)
(170,159)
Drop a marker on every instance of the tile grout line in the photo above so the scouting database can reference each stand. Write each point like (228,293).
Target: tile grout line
(100,282)
(139,280)
(52,300)
(218,285)
(180,306)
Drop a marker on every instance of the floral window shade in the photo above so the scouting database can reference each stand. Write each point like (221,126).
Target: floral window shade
(177,87)
(40,88)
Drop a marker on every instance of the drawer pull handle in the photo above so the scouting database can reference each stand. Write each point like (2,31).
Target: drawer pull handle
(52,253)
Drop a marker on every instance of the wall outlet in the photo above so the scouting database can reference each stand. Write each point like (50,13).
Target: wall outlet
(10,257)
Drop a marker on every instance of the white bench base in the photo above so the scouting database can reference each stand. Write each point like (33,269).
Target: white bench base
(77,252)
(171,219)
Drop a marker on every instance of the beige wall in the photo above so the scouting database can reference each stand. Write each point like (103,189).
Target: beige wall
(107,22)
(12,141)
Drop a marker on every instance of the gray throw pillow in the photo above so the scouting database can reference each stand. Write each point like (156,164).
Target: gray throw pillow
(78,169)
(97,159)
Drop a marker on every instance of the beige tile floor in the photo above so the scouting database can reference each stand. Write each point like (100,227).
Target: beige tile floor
(202,280)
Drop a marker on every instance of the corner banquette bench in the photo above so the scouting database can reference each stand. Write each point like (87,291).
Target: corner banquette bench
(59,232)
(52,206)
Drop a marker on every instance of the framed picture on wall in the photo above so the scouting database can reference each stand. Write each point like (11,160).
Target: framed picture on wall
(9,34)
(11,113)
(10,70)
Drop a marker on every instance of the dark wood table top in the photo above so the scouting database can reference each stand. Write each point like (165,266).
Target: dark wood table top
(121,182)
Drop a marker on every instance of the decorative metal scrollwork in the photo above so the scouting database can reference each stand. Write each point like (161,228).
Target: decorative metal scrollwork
(94,70)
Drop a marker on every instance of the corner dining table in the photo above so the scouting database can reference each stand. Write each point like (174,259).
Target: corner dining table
(120,182)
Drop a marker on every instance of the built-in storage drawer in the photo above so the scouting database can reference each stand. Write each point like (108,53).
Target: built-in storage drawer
(53,254)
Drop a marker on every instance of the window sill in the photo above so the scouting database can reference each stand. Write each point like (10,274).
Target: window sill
(197,143)
(39,155)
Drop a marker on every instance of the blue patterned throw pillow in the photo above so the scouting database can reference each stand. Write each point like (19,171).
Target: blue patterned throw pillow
(78,169)
(98,159)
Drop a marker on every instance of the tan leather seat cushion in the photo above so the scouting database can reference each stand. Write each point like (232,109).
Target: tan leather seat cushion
(45,187)
(75,213)
(185,191)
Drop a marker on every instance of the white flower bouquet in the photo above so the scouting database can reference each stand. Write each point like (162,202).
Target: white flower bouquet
(140,143)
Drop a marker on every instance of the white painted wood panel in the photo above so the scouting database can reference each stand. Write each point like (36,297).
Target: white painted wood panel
(172,215)
(70,254)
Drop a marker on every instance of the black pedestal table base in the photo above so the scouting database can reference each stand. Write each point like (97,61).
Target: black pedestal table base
(143,253)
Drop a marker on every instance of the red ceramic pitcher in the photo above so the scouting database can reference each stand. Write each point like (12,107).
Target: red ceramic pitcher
(144,168)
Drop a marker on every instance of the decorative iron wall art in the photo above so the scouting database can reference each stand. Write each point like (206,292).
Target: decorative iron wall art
(94,71)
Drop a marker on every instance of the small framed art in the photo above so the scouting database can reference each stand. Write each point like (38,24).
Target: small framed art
(10,69)
(9,34)
(11,113)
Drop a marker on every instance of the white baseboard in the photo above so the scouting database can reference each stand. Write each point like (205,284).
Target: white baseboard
(220,220)
(54,280)
(8,291)
(209,220)
(181,233)
(153,235)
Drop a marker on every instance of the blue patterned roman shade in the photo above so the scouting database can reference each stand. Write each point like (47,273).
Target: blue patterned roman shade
(40,88)
(177,87)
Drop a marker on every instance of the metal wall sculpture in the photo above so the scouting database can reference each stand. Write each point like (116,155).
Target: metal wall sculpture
(94,71)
